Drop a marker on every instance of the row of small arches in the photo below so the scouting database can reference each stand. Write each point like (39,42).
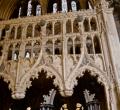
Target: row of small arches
(93,46)
(30,50)
(51,29)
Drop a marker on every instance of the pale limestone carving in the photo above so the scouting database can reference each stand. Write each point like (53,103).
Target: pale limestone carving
(99,62)
(88,97)
(64,67)
(48,99)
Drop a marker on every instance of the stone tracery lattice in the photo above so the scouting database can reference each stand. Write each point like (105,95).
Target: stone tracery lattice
(59,63)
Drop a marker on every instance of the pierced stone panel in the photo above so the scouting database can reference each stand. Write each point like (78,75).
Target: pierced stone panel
(89,45)
(68,26)
(29,31)
(49,47)
(75,26)
(10,52)
(28,50)
(97,45)
(57,28)
(93,24)
(12,33)
(58,47)
(19,32)
(70,46)
(37,31)
(49,28)
(62,43)
(86,25)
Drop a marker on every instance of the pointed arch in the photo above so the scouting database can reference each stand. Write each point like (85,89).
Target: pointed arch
(77,45)
(86,25)
(50,72)
(12,33)
(36,49)
(10,52)
(93,24)
(58,47)
(75,26)
(57,28)
(16,51)
(3,34)
(70,46)
(79,72)
(28,50)
(97,45)
(19,32)
(49,28)
(37,31)
(68,26)
(29,31)
(89,45)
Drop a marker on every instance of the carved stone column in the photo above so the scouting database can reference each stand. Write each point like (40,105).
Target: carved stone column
(53,23)
(66,90)
(16,27)
(112,42)
(72,25)
(33,31)
(53,47)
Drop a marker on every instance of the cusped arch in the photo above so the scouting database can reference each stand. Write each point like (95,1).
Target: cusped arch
(102,76)
(26,83)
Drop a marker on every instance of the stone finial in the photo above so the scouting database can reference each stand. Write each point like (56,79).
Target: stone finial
(48,99)
(88,97)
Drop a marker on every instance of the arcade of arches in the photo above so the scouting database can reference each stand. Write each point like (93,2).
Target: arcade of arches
(58,55)
(42,86)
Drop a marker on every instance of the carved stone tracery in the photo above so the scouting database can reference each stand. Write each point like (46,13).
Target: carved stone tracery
(66,67)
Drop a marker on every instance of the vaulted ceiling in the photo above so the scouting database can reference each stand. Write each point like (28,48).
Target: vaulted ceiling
(7,7)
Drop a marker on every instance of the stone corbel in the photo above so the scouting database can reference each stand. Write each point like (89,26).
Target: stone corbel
(66,92)
(18,93)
